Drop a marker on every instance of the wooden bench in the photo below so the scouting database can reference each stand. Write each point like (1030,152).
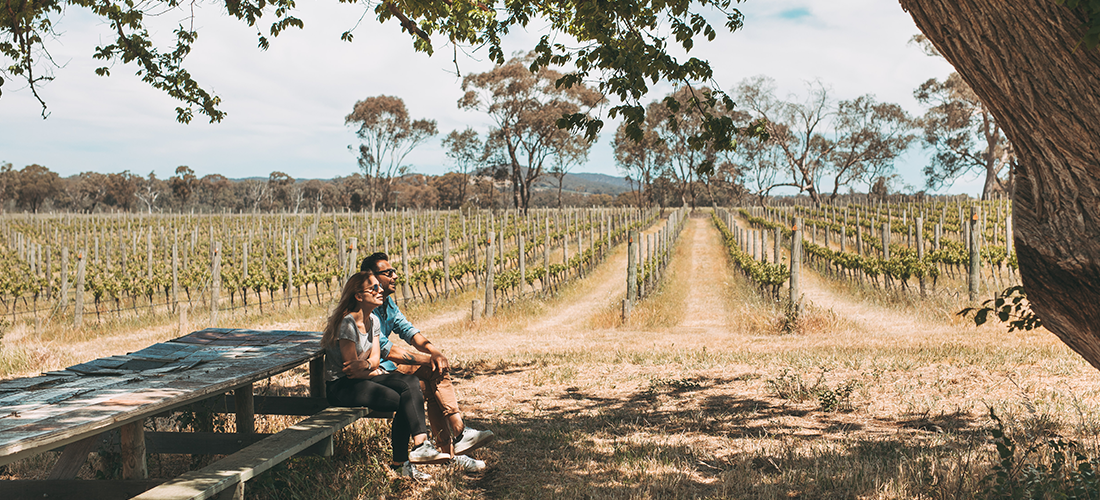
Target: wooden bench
(226,477)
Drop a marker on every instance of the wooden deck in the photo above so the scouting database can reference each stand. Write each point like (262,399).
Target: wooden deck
(71,409)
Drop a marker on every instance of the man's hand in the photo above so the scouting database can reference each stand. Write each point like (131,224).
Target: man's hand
(359,368)
(440,365)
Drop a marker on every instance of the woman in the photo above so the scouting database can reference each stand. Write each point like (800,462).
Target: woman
(353,376)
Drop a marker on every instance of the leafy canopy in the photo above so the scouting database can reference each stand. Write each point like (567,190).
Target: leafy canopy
(622,44)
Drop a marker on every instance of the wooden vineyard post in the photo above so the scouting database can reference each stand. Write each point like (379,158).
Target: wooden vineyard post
(78,308)
(632,267)
(764,246)
(63,295)
(175,277)
(546,258)
(405,289)
(447,256)
(489,299)
(290,273)
(522,264)
(886,240)
(49,272)
(859,237)
(920,252)
(777,241)
(475,310)
(216,283)
(975,254)
(149,254)
(1008,236)
(650,240)
(796,266)
(353,256)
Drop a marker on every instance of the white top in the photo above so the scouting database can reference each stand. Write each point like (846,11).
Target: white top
(334,361)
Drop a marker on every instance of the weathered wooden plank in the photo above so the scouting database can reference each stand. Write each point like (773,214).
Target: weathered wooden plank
(255,459)
(73,458)
(88,490)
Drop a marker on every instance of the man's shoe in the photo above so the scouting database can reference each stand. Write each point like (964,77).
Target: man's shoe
(467,464)
(427,454)
(410,471)
(472,439)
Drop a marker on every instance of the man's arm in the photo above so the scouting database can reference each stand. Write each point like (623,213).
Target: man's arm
(403,356)
(438,360)
(412,335)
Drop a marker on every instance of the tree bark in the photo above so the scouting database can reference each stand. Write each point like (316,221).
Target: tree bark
(1019,58)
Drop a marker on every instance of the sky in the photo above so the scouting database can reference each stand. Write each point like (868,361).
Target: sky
(286,106)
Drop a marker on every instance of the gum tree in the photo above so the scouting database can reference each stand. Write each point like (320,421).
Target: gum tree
(387,135)
(526,108)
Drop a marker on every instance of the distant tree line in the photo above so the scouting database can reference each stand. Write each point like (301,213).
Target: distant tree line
(35,188)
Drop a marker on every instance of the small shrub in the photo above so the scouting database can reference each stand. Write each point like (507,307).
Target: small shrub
(1053,468)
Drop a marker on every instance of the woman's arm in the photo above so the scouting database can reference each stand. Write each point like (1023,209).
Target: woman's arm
(353,366)
(374,355)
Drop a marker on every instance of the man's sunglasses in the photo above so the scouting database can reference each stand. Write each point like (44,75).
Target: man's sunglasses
(388,272)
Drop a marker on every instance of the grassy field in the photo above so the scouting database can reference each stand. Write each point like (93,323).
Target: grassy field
(700,394)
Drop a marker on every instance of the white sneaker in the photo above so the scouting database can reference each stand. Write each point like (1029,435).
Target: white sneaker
(468,464)
(427,454)
(472,439)
(410,471)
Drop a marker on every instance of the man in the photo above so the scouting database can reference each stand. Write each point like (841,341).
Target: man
(429,365)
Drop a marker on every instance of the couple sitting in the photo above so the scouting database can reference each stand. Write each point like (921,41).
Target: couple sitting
(360,370)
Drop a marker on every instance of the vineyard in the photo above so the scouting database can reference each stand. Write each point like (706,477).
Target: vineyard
(966,254)
(86,270)
(687,354)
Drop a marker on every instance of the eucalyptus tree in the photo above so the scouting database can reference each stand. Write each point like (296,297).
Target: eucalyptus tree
(465,149)
(387,136)
(963,135)
(867,137)
(815,138)
(796,129)
(572,154)
(644,158)
(35,184)
(525,107)
(679,119)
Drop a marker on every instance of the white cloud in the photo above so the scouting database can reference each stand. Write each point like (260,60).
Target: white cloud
(286,105)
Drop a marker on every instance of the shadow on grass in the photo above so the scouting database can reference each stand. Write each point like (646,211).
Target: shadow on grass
(590,446)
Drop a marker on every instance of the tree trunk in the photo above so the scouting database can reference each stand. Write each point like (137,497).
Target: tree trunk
(1019,58)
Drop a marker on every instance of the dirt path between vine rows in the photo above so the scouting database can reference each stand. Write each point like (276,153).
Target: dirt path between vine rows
(606,287)
(707,309)
(818,292)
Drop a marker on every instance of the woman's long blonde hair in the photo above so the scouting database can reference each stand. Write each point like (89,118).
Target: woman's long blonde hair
(348,304)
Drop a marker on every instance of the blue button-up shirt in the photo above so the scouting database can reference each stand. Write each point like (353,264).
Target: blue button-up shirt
(393,321)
